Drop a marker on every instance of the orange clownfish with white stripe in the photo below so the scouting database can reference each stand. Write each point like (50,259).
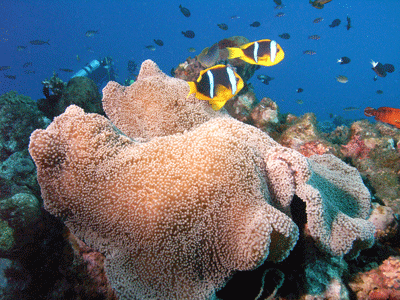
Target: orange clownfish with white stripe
(263,52)
(217,85)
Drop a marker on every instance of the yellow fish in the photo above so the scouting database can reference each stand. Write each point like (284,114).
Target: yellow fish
(216,85)
(262,52)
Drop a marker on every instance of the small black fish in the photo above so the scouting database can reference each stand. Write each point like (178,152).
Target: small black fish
(379,92)
(335,23)
(159,42)
(348,26)
(388,68)
(21,48)
(3,68)
(281,14)
(255,24)
(378,68)
(66,70)
(299,90)
(188,33)
(184,11)
(13,77)
(91,33)
(39,42)
(27,64)
(284,36)
(343,60)
(278,2)
(29,72)
(223,26)
(264,79)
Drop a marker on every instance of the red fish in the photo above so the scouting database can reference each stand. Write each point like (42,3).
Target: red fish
(384,114)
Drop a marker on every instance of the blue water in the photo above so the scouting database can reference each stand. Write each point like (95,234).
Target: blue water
(126,27)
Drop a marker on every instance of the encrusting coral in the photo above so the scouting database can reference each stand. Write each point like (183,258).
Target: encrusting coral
(204,196)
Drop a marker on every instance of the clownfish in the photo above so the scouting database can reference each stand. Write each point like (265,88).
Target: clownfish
(216,85)
(384,114)
(262,52)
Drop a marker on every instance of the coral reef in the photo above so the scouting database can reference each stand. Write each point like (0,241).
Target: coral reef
(19,116)
(192,195)
(379,283)
(81,91)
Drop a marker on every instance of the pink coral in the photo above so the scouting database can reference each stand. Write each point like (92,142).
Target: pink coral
(355,148)
(204,195)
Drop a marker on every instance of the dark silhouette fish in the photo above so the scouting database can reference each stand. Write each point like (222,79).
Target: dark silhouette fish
(159,42)
(223,26)
(281,14)
(66,70)
(278,2)
(27,64)
(91,33)
(299,90)
(264,79)
(39,42)
(21,48)
(309,52)
(348,26)
(379,92)
(335,23)
(284,36)
(3,68)
(184,11)
(388,68)
(343,60)
(188,33)
(317,20)
(13,77)
(378,68)
(255,24)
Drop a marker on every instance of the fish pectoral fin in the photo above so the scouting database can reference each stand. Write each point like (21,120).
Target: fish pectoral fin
(193,88)
(234,52)
(217,105)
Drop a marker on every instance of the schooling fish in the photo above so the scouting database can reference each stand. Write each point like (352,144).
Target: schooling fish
(39,42)
(3,68)
(335,23)
(309,52)
(184,11)
(159,42)
(91,33)
(284,36)
(13,77)
(342,79)
(66,70)
(216,85)
(223,26)
(255,24)
(188,33)
(319,3)
(263,52)
(281,14)
(299,90)
(151,47)
(314,37)
(378,68)
(348,26)
(384,114)
(264,79)
(27,64)
(21,48)
(343,60)
(388,68)
(317,20)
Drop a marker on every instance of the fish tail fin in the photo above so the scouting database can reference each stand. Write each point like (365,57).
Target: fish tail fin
(234,52)
(193,88)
